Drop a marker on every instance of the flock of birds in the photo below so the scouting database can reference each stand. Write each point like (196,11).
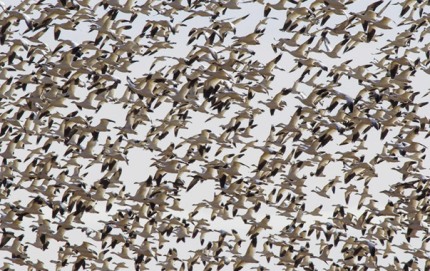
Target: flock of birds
(289,135)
